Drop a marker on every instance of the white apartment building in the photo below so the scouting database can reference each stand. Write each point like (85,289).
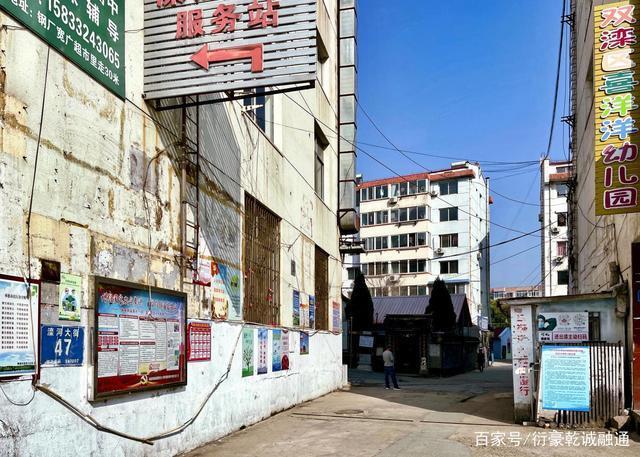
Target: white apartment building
(498,293)
(554,270)
(417,227)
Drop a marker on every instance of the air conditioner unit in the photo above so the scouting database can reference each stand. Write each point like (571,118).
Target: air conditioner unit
(439,251)
(393,200)
(434,192)
(554,230)
(394,278)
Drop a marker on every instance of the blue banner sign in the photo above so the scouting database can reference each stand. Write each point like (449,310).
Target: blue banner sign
(62,346)
(566,382)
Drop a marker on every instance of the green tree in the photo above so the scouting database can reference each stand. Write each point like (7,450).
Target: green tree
(443,317)
(498,317)
(360,307)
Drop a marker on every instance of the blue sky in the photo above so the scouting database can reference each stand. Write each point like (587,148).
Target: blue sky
(472,80)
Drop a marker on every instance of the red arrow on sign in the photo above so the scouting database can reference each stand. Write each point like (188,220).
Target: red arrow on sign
(250,51)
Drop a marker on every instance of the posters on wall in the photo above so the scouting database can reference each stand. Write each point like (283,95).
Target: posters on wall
(203,274)
(18,316)
(247,352)
(276,350)
(565,377)
(304,310)
(336,323)
(285,350)
(61,346)
(140,338)
(563,327)
(225,292)
(365,341)
(69,305)
(312,311)
(304,343)
(199,341)
(296,308)
(263,341)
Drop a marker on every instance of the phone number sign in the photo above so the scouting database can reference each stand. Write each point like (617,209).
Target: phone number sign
(90,33)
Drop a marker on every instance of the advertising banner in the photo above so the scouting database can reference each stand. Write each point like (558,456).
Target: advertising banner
(304,310)
(225,292)
(89,33)
(522,350)
(204,273)
(61,346)
(140,338)
(312,311)
(69,304)
(565,378)
(194,47)
(304,343)
(616,91)
(247,352)
(568,327)
(337,323)
(18,318)
(199,341)
(296,308)
(276,354)
(285,350)
(263,341)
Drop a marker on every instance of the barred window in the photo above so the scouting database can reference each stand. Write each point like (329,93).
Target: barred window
(261,257)
(322,289)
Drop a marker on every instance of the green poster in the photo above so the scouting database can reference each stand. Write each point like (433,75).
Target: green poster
(69,305)
(90,33)
(247,352)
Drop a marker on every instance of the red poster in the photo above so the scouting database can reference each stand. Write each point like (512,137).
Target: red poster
(140,338)
(199,341)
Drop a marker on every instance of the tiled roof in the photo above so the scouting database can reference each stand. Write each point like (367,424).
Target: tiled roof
(433,177)
(415,304)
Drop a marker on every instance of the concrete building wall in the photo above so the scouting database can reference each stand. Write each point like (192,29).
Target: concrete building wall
(601,247)
(107,202)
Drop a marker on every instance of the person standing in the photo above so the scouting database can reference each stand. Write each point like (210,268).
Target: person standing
(389,369)
(481,359)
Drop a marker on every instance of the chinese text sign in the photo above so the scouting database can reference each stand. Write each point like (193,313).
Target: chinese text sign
(140,339)
(90,33)
(565,376)
(18,316)
(61,346)
(194,47)
(615,85)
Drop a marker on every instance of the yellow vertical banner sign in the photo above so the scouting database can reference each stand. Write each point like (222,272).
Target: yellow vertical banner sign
(616,95)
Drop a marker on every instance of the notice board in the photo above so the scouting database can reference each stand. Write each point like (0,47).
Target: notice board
(140,338)
(566,384)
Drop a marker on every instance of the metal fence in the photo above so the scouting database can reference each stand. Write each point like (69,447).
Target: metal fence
(607,386)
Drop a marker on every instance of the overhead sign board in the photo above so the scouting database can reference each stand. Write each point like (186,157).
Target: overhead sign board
(196,47)
(568,327)
(90,33)
(616,95)
(140,338)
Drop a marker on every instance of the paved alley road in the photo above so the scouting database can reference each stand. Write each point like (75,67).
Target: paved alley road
(428,417)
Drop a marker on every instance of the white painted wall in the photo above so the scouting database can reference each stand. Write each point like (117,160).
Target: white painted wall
(551,204)
(88,200)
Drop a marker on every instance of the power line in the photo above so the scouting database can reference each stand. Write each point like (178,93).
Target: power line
(555,97)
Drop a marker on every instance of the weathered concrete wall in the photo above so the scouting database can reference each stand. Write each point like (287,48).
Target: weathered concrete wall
(107,202)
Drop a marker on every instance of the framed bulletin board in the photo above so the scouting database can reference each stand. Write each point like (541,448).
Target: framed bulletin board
(139,338)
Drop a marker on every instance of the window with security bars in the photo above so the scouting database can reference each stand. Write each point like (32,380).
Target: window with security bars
(261,257)
(322,289)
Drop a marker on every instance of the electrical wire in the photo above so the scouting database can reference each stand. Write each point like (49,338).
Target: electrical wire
(557,85)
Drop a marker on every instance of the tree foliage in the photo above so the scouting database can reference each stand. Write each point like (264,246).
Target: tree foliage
(443,317)
(498,317)
(360,307)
